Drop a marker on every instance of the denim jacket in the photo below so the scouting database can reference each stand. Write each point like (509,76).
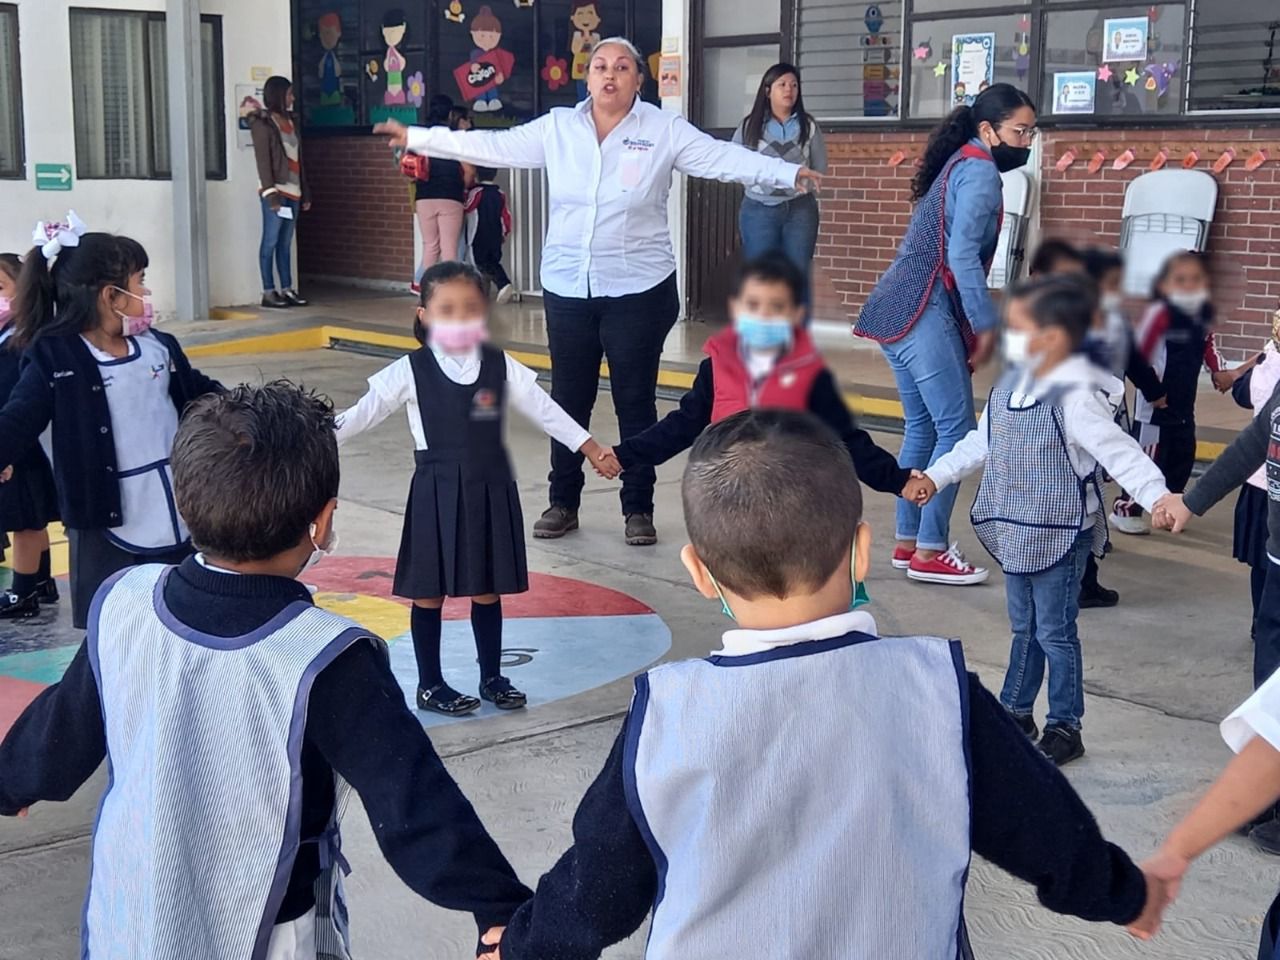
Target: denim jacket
(974,201)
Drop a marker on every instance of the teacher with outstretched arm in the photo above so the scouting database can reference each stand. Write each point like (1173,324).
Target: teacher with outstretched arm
(608,267)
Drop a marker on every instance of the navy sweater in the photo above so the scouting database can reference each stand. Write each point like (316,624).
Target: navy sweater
(675,432)
(60,383)
(1026,819)
(357,725)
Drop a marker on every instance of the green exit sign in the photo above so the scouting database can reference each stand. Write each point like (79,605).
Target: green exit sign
(54,176)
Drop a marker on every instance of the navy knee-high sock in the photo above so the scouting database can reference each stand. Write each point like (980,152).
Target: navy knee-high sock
(43,571)
(425,626)
(486,622)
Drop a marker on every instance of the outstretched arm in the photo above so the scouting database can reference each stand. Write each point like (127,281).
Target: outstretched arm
(522,146)
(701,155)
(389,390)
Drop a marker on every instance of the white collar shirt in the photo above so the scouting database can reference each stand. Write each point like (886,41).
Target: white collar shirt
(607,231)
(741,643)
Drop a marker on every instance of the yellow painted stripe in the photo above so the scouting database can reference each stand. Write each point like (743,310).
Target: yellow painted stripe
(223,313)
(317,338)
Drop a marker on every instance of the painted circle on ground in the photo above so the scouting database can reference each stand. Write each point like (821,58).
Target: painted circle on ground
(561,638)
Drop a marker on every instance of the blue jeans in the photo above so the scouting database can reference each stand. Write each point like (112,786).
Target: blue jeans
(790,227)
(277,242)
(1042,611)
(931,368)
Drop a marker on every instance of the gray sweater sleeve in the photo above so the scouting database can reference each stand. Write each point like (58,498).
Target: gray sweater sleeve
(817,150)
(1245,455)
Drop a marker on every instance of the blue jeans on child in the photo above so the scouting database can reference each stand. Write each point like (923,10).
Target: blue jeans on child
(931,368)
(790,227)
(277,243)
(1043,608)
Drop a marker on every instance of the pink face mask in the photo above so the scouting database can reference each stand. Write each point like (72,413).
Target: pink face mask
(459,337)
(133,326)
(6,305)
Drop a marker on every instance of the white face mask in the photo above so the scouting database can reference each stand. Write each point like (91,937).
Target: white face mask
(1191,303)
(320,551)
(1112,302)
(1017,346)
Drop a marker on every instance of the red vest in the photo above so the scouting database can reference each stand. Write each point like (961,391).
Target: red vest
(786,386)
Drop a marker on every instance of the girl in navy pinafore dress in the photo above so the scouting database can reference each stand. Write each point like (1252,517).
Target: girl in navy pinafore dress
(463,527)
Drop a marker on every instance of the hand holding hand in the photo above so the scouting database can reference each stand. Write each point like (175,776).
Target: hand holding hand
(397,133)
(1164,873)
(1171,513)
(983,350)
(919,489)
(306,206)
(603,460)
(1223,379)
(1161,404)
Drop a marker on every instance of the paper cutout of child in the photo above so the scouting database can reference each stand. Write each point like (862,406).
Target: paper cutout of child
(394,26)
(584,17)
(329,28)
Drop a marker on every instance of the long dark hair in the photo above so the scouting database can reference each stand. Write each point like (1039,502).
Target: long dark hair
(11,264)
(993,105)
(1175,258)
(63,298)
(438,109)
(446,271)
(273,94)
(753,123)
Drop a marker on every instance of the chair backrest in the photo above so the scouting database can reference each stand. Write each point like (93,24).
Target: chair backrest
(1164,212)
(1009,248)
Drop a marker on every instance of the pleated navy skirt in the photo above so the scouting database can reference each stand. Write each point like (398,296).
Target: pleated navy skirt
(463,532)
(1249,539)
(29,501)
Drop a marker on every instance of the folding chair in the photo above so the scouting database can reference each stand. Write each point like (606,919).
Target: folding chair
(1164,212)
(1007,263)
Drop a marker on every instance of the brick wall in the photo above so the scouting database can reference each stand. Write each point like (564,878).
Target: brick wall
(866,206)
(360,224)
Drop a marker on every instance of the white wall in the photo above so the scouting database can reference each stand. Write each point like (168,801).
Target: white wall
(254,33)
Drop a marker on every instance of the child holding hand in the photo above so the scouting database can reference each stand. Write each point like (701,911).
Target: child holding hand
(463,527)
(1039,509)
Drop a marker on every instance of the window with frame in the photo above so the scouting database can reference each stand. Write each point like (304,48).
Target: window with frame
(1082,61)
(11,144)
(120,95)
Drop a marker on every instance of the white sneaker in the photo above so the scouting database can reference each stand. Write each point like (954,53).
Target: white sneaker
(506,293)
(950,567)
(1121,522)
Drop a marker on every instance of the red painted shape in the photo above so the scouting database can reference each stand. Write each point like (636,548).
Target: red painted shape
(548,595)
(15,695)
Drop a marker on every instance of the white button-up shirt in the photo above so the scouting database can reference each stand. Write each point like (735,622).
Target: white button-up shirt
(608,234)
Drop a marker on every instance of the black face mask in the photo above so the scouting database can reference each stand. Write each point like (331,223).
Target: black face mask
(1009,158)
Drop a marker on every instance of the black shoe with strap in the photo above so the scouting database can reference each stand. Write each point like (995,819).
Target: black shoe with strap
(640,530)
(14,607)
(442,698)
(499,691)
(555,522)
(47,591)
(1062,744)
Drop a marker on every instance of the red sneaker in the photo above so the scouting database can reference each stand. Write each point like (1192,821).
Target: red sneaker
(415,288)
(950,567)
(902,557)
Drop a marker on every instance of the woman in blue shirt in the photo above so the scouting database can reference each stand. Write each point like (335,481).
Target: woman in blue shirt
(781,218)
(932,314)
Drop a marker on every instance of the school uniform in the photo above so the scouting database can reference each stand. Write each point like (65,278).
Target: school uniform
(488,226)
(29,501)
(463,528)
(1249,536)
(732,379)
(114,420)
(908,766)
(209,651)
(1039,513)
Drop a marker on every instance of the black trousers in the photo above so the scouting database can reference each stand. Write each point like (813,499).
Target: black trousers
(94,558)
(1266,636)
(1176,455)
(488,259)
(629,332)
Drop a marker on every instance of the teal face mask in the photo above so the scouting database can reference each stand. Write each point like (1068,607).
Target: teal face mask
(763,333)
(860,597)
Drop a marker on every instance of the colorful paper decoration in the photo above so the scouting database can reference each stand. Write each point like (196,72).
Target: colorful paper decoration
(555,72)
(371,70)
(1022,48)
(1191,159)
(1158,77)
(1104,73)
(1224,160)
(1066,160)
(453,13)
(394,26)
(1123,160)
(416,89)
(1159,160)
(923,52)
(897,158)
(940,68)
(329,30)
(669,76)
(1254,162)
(1098,160)
(480,80)
(1131,77)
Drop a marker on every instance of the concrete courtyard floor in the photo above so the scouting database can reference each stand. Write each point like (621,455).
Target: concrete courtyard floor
(1160,670)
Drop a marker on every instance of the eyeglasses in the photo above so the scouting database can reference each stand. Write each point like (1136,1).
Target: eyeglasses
(1025,134)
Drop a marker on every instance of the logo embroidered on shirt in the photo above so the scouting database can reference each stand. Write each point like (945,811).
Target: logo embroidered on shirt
(157,369)
(484,405)
(637,144)
(59,374)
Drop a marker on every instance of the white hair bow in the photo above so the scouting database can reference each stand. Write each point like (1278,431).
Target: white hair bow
(52,238)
